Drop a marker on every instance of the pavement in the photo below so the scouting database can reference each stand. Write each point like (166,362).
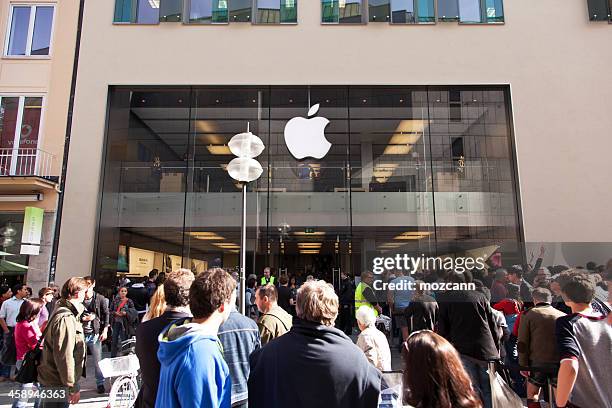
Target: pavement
(89,396)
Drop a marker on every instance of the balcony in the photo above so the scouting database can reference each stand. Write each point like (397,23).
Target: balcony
(26,170)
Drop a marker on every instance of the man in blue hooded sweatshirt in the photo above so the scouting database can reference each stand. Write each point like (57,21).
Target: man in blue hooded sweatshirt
(193,371)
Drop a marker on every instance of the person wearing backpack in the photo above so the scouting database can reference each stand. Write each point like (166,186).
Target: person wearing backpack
(63,355)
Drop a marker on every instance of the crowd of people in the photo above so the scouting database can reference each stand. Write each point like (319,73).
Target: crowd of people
(306,342)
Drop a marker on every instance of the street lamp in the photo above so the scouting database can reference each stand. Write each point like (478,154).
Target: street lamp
(244,169)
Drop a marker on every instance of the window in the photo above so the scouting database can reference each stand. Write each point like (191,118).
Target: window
(240,11)
(19,130)
(30,30)
(379,10)
(208,11)
(599,10)
(276,12)
(481,11)
(170,10)
(448,10)
(412,11)
(342,11)
(137,11)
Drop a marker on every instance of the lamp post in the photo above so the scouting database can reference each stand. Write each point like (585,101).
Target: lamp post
(244,169)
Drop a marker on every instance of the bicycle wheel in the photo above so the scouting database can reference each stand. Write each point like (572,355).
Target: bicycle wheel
(123,393)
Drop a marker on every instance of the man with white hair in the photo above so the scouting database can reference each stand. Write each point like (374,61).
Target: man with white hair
(314,364)
(372,341)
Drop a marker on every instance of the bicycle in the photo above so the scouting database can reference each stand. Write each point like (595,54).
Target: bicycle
(125,368)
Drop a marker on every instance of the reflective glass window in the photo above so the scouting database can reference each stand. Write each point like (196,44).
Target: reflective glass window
(470,11)
(350,11)
(276,11)
(342,11)
(329,11)
(599,10)
(494,11)
(208,11)
(448,10)
(425,11)
(240,10)
(137,11)
(170,10)
(402,11)
(379,10)
(30,39)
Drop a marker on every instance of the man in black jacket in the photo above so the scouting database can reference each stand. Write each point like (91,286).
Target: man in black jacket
(176,291)
(319,365)
(346,296)
(95,320)
(466,320)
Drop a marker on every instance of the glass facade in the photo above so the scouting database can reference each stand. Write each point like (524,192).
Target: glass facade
(26,38)
(342,11)
(137,11)
(402,175)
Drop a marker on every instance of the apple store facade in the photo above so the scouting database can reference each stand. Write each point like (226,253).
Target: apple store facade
(420,170)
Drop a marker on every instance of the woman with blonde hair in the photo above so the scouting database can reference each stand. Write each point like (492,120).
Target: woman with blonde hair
(158,304)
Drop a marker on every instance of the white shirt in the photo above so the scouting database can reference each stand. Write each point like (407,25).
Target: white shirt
(374,344)
(10,310)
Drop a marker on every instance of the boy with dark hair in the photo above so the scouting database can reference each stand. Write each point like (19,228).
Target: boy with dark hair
(193,371)
(584,340)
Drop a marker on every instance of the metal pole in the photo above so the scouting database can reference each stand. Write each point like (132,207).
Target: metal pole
(243,243)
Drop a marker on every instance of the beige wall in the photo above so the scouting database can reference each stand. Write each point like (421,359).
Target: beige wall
(49,77)
(556,62)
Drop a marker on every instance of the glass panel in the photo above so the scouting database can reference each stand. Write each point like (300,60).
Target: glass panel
(379,10)
(124,11)
(9,107)
(391,200)
(208,11)
(426,11)
(148,12)
(495,11)
(19,31)
(30,123)
(402,11)
(288,11)
(170,10)
(470,11)
(473,173)
(240,10)
(448,10)
(214,205)
(350,11)
(41,38)
(599,10)
(143,197)
(329,11)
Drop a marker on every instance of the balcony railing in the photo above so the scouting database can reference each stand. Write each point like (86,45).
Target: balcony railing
(26,162)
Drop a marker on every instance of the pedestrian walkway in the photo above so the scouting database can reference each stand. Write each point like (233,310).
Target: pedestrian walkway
(89,397)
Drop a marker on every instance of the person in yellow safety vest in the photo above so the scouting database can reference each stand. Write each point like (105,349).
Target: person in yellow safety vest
(364,294)
(267,279)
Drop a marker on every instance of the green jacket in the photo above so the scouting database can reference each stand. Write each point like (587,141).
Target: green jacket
(274,324)
(63,356)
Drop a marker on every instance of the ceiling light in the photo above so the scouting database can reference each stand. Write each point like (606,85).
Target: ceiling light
(220,150)
(309,245)
(412,235)
(302,233)
(206,236)
(309,251)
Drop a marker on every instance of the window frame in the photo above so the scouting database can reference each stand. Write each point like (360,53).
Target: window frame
(255,12)
(19,124)
(30,37)
(364,15)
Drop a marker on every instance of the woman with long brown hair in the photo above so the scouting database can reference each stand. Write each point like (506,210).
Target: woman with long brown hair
(434,376)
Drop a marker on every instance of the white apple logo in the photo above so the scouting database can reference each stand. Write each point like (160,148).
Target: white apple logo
(306,137)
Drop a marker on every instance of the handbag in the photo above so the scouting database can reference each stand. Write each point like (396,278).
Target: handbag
(502,394)
(28,373)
